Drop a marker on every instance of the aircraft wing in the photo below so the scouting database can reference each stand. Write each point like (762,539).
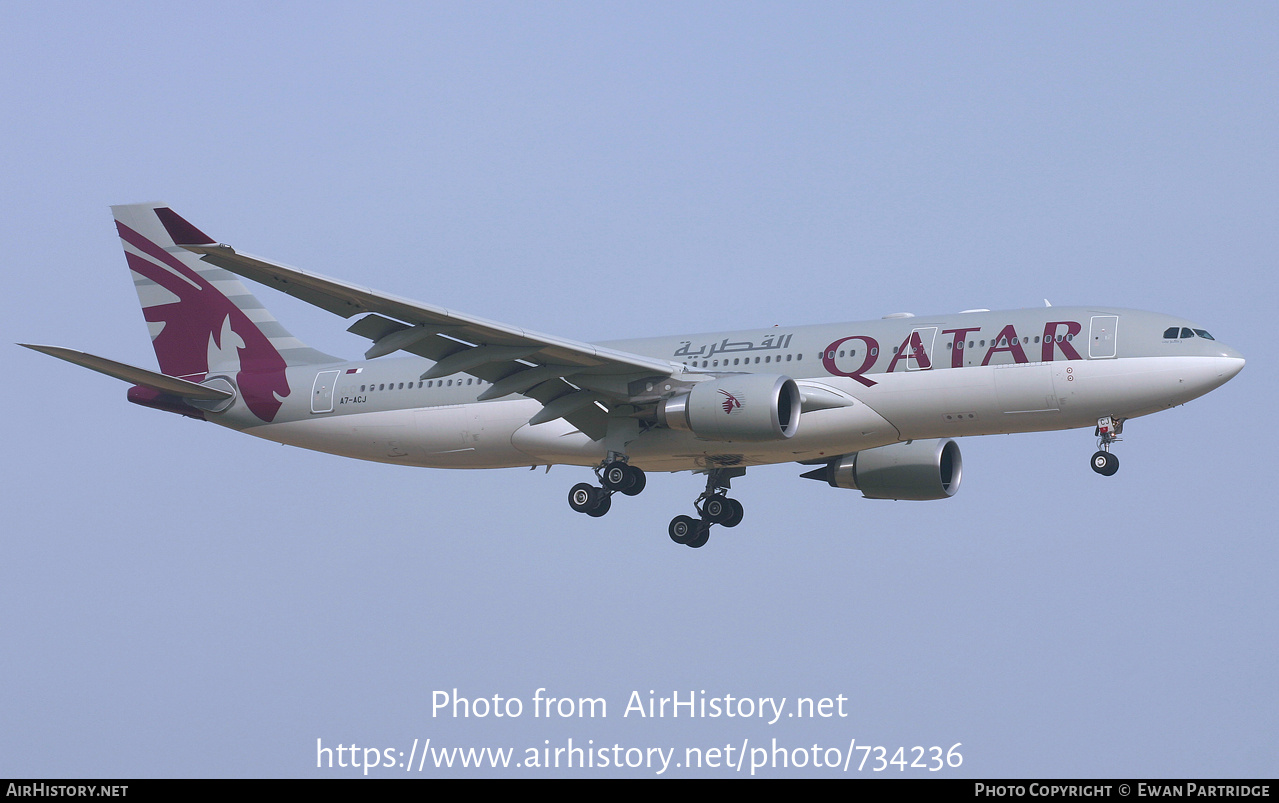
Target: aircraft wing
(572,379)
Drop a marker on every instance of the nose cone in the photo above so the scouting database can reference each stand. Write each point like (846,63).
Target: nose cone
(1229,362)
(1203,374)
(1232,365)
(1230,353)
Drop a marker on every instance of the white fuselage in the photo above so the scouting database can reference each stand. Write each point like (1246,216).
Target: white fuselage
(892,380)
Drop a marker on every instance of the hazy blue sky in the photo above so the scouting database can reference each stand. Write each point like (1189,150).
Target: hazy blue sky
(181,600)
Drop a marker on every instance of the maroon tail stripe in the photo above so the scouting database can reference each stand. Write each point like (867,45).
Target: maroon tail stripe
(151,249)
(182,232)
(197,319)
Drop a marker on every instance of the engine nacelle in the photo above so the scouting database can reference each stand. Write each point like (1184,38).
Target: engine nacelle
(914,470)
(741,407)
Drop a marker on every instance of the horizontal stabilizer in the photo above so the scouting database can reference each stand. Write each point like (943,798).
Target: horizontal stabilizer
(138,376)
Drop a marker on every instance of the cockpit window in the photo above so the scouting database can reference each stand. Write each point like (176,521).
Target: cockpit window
(1183,333)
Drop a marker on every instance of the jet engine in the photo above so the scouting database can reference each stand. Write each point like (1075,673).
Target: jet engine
(738,407)
(912,470)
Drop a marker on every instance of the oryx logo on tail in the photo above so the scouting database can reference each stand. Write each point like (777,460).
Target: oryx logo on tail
(195,328)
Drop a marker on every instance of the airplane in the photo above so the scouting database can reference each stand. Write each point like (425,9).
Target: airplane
(872,406)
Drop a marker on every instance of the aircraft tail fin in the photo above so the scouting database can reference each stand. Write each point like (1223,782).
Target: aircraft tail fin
(202,319)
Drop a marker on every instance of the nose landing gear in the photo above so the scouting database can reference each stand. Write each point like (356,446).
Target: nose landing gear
(1108,431)
(1105,463)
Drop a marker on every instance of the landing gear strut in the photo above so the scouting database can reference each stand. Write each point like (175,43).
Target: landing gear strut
(615,475)
(1108,431)
(713,506)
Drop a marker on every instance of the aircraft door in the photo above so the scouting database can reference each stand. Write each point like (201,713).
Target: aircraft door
(920,348)
(1103,336)
(322,392)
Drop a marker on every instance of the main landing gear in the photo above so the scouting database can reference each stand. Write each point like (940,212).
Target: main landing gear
(615,476)
(1108,431)
(713,506)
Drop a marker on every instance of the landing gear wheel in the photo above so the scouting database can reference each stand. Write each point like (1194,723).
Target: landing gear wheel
(1105,463)
(736,517)
(583,497)
(683,529)
(617,476)
(717,509)
(589,500)
(637,483)
(701,535)
(601,507)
